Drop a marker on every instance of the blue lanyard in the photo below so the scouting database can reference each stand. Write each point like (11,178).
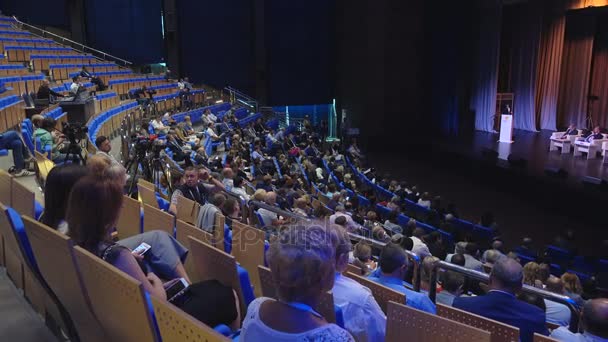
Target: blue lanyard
(303,307)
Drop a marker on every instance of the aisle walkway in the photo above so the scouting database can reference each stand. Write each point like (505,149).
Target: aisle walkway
(18,320)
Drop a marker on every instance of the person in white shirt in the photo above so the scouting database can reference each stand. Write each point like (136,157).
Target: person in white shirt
(363,317)
(425,200)
(237,188)
(75,85)
(594,323)
(301,261)
(158,125)
(420,248)
(211,133)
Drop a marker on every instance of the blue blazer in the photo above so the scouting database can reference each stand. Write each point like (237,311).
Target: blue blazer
(507,309)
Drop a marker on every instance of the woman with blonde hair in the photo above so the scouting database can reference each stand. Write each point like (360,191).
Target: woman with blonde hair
(302,263)
(531,271)
(573,288)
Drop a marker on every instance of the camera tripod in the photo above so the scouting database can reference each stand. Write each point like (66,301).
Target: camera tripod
(150,167)
(73,153)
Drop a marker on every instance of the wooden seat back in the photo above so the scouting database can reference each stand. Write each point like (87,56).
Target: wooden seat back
(22,199)
(326,305)
(211,263)
(500,332)
(248,250)
(55,259)
(187,210)
(129,220)
(381,293)
(117,299)
(147,196)
(541,338)
(183,231)
(424,327)
(156,219)
(176,326)
(6,188)
(13,259)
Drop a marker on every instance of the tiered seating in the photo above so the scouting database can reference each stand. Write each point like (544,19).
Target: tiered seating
(106,100)
(12,111)
(65,71)
(23,53)
(41,62)
(12,70)
(37,42)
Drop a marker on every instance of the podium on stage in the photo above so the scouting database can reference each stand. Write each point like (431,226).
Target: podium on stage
(504,111)
(506,128)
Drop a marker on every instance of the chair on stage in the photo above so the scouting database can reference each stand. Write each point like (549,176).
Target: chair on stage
(591,148)
(565,144)
(605,151)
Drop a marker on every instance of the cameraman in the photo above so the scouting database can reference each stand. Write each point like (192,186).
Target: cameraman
(104,146)
(46,139)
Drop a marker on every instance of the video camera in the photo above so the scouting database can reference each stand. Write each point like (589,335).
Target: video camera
(142,145)
(74,131)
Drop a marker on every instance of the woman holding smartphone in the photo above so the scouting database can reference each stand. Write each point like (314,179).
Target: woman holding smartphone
(93,208)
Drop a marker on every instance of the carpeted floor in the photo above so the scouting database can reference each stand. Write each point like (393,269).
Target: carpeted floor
(18,320)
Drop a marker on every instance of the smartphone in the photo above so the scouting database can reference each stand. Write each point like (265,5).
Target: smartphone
(141,249)
(175,288)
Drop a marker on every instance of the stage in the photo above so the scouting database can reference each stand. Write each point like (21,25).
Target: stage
(525,199)
(529,153)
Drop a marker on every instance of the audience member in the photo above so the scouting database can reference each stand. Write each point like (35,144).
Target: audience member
(46,139)
(10,140)
(194,190)
(303,269)
(363,318)
(593,323)
(420,248)
(93,208)
(59,183)
(363,257)
(573,288)
(393,266)
(207,213)
(453,286)
(557,313)
(500,303)
(45,91)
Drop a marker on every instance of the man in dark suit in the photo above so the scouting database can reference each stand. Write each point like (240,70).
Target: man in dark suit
(570,131)
(500,303)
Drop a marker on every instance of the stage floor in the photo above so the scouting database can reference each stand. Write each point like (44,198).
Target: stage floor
(534,148)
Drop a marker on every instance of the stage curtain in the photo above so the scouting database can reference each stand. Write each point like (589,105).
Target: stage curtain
(524,55)
(549,62)
(576,68)
(485,80)
(599,78)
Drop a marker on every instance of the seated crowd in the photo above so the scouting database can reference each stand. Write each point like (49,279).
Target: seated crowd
(287,177)
(285,170)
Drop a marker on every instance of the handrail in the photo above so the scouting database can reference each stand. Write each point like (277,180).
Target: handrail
(63,40)
(485,278)
(238,96)
(414,258)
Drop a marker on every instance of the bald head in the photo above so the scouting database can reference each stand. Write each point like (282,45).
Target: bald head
(555,285)
(507,275)
(595,317)
(270,198)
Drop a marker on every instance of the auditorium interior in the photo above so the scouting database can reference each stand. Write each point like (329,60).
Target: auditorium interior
(322,170)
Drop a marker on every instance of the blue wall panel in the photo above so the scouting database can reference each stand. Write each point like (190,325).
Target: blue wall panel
(129,29)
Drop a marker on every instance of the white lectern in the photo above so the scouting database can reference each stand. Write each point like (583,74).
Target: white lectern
(506,128)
